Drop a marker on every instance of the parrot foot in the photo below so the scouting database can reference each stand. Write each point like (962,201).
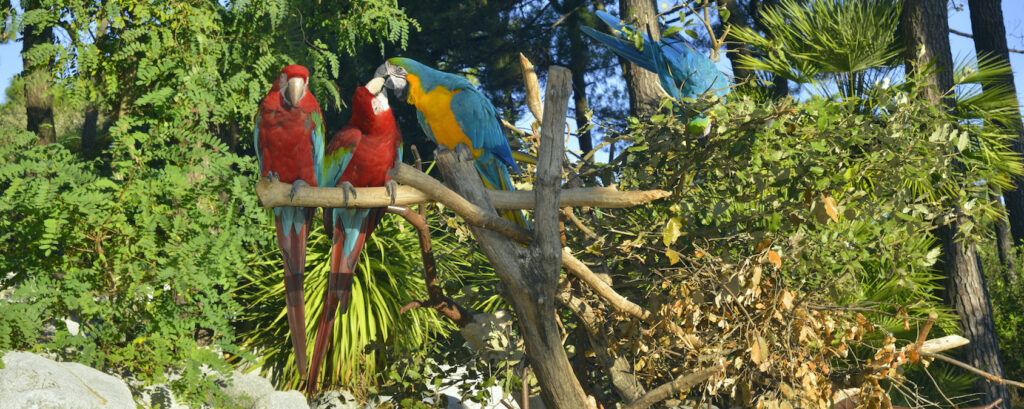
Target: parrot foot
(295,187)
(273,176)
(392,188)
(346,190)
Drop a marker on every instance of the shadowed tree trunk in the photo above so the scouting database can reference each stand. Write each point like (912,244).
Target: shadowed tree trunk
(578,66)
(738,18)
(990,40)
(90,126)
(38,101)
(925,31)
(643,86)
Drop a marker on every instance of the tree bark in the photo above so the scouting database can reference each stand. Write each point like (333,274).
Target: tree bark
(578,66)
(990,40)
(643,86)
(531,273)
(1004,246)
(90,126)
(925,30)
(737,18)
(38,100)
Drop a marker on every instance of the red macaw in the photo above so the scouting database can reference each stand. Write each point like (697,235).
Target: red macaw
(289,141)
(359,155)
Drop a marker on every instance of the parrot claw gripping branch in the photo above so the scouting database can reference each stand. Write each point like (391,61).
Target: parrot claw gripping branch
(477,183)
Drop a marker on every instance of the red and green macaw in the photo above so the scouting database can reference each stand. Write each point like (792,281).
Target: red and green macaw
(359,155)
(289,142)
(451,111)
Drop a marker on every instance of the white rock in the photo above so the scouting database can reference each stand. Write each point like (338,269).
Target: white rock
(253,391)
(31,381)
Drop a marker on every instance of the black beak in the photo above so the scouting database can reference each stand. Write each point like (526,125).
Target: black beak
(394,79)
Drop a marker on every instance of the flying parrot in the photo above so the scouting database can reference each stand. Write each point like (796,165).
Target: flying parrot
(682,71)
(359,155)
(451,111)
(289,141)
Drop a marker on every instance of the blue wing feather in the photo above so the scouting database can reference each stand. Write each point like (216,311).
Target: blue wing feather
(479,121)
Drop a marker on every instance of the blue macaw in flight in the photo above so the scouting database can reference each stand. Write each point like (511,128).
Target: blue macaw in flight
(682,71)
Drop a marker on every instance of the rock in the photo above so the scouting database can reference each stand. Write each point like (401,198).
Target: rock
(282,400)
(335,400)
(31,381)
(252,391)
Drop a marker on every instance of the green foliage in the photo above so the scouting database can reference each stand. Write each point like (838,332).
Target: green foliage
(146,244)
(825,39)
(390,276)
(839,202)
(144,259)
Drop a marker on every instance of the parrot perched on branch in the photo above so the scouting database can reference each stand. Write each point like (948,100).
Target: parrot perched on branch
(359,155)
(289,142)
(682,71)
(451,111)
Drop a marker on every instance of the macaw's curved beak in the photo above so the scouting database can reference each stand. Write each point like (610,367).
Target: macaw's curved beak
(376,85)
(394,79)
(294,91)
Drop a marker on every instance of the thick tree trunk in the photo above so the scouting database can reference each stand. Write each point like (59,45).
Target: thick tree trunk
(737,18)
(578,66)
(38,100)
(531,273)
(925,30)
(990,39)
(90,126)
(644,89)
(1004,246)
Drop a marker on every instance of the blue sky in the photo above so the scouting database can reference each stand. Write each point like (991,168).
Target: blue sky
(963,48)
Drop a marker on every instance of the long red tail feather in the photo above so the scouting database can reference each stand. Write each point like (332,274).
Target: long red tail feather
(293,250)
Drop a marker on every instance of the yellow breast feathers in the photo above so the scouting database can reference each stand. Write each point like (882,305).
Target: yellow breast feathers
(435,105)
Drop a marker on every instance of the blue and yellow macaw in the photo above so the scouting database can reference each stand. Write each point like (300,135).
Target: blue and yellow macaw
(451,111)
(682,71)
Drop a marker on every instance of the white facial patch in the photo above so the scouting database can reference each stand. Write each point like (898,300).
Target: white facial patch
(380,103)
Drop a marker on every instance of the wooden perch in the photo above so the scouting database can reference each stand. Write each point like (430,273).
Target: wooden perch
(274,194)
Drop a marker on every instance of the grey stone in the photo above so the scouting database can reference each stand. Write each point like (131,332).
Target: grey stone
(253,391)
(335,400)
(282,400)
(31,381)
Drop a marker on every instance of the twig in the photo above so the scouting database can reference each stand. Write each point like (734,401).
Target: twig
(274,194)
(969,35)
(680,384)
(614,299)
(922,336)
(435,295)
(976,371)
(619,371)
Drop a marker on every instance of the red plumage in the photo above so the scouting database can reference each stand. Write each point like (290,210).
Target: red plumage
(373,141)
(289,144)
(285,131)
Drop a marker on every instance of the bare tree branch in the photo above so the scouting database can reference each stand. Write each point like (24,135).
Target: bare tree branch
(989,377)
(274,194)
(435,295)
(680,384)
(969,35)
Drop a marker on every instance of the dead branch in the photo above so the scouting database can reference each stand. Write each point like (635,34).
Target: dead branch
(989,377)
(619,371)
(948,342)
(532,88)
(274,194)
(435,295)
(680,384)
(922,336)
(614,299)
